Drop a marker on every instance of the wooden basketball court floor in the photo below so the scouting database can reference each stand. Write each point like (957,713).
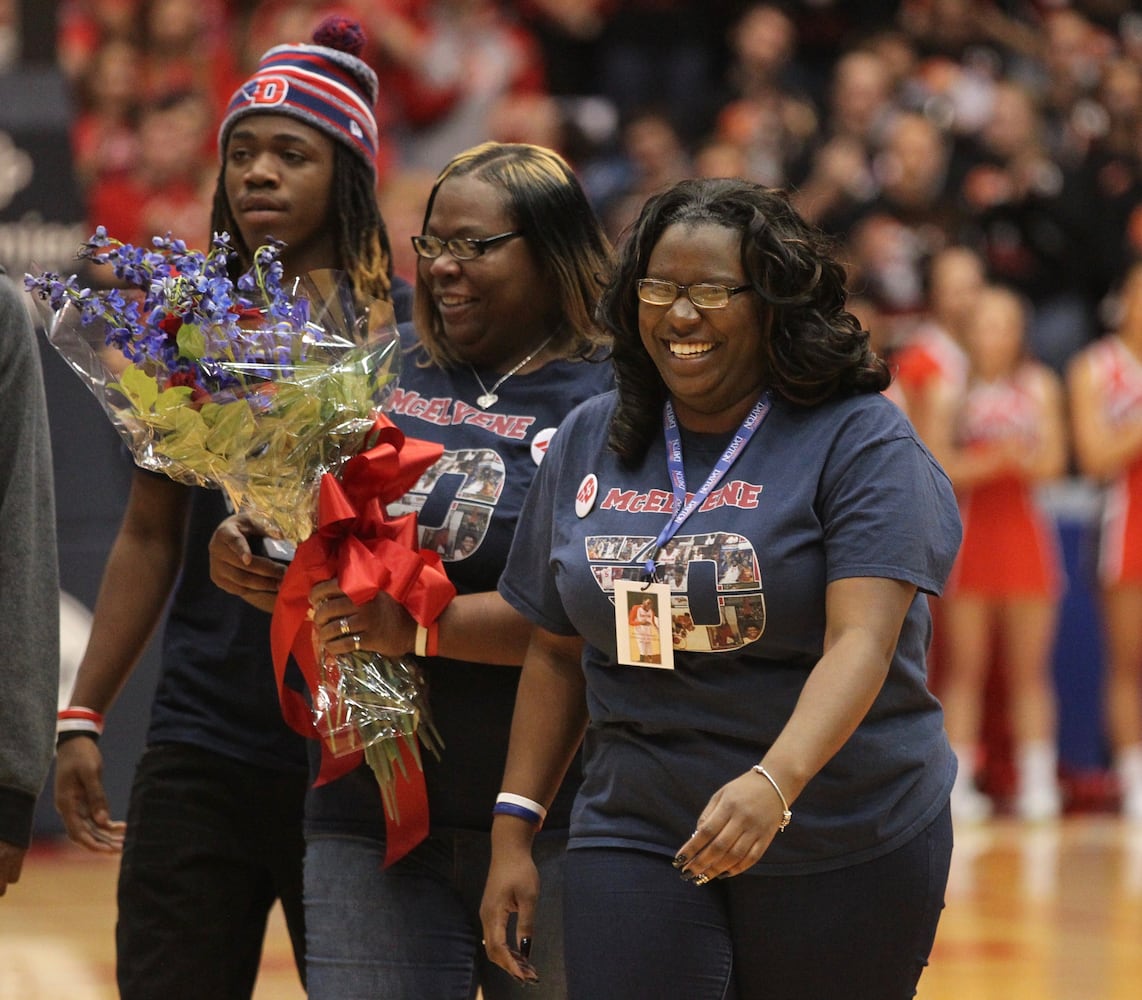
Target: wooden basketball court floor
(1047,912)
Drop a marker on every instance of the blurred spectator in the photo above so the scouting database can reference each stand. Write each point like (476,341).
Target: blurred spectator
(1105,383)
(402,197)
(932,353)
(998,436)
(279,22)
(665,55)
(187,47)
(886,264)
(894,236)
(1032,219)
(531,117)
(899,55)
(86,25)
(652,156)
(1074,53)
(957,29)
(769,117)
(838,180)
(104,135)
(170,189)
(826,29)
(1115,164)
(1129,25)
(1119,107)
(720,158)
(568,33)
(447,64)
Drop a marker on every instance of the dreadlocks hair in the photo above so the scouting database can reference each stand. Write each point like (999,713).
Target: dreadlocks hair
(361,239)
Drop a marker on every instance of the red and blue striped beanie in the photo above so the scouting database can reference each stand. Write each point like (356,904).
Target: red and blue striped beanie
(324,85)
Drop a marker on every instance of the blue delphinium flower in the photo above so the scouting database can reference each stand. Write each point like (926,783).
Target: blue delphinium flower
(185,290)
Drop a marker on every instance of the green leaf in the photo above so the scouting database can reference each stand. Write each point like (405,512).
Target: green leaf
(233,426)
(191,341)
(140,388)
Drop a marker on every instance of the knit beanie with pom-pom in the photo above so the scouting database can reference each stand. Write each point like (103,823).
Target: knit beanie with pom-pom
(325,85)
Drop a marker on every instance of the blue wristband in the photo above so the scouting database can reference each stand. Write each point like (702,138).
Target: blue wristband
(520,812)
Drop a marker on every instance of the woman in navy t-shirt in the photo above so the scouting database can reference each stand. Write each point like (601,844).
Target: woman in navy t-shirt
(765,812)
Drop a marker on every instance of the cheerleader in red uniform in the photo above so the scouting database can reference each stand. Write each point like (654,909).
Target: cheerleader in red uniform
(998,437)
(933,353)
(1105,384)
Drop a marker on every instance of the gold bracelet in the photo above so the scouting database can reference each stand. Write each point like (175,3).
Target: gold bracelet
(786,815)
(421,648)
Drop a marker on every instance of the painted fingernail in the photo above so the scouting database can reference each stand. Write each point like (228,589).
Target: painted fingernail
(688,876)
(525,947)
(679,861)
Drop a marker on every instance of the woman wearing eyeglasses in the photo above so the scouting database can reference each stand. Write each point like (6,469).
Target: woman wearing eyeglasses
(511,264)
(766,816)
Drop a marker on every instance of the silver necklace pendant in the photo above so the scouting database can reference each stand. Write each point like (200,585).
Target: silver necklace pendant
(489,397)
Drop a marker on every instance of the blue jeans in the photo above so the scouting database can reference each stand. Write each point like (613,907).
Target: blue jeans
(634,928)
(412,931)
(211,844)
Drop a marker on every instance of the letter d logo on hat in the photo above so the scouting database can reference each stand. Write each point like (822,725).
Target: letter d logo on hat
(267,91)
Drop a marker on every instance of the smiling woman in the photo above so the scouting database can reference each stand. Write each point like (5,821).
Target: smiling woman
(710,356)
(797,694)
(509,270)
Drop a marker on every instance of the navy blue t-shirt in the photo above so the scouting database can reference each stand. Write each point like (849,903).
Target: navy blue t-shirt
(843,489)
(217,688)
(468,505)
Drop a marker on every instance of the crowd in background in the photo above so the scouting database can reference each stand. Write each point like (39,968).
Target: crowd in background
(1014,128)
(999,139)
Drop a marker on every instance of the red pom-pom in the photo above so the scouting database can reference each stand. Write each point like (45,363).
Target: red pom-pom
(341,33)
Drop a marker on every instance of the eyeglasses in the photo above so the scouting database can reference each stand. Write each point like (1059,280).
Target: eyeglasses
(431,247)
(660,292)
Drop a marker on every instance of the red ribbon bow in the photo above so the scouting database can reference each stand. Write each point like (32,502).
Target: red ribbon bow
(357,543)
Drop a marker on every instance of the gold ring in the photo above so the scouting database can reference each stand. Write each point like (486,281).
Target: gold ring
(344,622)
(702,879)
(356,644)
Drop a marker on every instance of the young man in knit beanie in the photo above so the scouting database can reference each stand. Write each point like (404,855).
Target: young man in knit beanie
(214,827)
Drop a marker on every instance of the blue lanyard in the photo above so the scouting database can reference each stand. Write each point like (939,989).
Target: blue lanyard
(682,509)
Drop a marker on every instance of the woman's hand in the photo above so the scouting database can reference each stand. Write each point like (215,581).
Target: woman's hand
(235,569)
(734,830)
(381,625)
(512,887)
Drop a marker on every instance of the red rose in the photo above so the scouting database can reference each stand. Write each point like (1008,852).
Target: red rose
(185,377)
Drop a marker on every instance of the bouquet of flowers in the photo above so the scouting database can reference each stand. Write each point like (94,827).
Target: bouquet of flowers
(273,396)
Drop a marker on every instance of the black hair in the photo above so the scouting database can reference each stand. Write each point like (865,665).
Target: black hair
(814,348)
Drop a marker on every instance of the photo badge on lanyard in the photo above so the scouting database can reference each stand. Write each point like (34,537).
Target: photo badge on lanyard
(642,624)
